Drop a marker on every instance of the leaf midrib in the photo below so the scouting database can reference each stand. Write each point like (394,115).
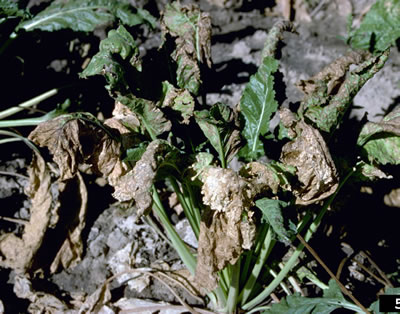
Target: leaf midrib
(62,12)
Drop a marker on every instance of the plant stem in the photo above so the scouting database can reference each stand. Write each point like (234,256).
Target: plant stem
(293,259)
(187,257)
(233,288)
(262,257)
(28,103)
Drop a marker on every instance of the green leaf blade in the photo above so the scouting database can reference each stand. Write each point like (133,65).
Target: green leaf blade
(272,213)
(379,28)
(257,106)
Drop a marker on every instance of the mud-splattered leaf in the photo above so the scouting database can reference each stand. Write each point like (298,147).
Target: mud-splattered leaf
(328,100)
(137,183)
(18,253)
(226,226)
(191,30)
(381,141)
(257,106)
(220,125)
(84,16)
(333,299)
(316,170)
(272,214)
(179,100)
(271,176)
(119,43)
(78,142)
(151,118)
(379,28)
(203,160)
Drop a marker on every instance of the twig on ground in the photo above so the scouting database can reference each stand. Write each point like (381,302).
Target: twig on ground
(342,287)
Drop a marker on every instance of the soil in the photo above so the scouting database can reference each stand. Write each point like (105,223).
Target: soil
(359,224)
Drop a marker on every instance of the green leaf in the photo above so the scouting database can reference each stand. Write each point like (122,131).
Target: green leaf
(118,42)
(151,118)
(218,125)
(178,99)
(191,30)
(296,304)
(257,106)
(135,153)
(84,15)
(381,141)
(380,27)
(272,213)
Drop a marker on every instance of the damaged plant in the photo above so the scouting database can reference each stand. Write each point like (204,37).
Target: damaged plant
(162,141)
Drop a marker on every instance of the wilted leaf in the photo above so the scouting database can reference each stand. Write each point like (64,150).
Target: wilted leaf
(151,118)
(178,99)
(226,226)
(272,214)
(18,253)
(137,183)
(118,42)
(84,16)
(379,28)
(265,177)
(78,143)
(257,106)
(41,302)
(71,250)
(332,300)
(381,141)
(192,32)
(393,198)
(328,98)
(220,125)
(316,170)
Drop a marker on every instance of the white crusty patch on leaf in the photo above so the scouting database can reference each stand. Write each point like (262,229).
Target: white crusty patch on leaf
(227,226)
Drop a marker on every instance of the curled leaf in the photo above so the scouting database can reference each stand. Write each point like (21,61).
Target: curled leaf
(220,125)
(331,93)
(191,30)
(19,252)
(118,42)
(137,183)
(226,227)
(316,170)
(152,119)
(381,140)
(78,142)
(265,177)
(179,100)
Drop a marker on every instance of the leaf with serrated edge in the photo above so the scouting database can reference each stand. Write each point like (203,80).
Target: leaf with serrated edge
(257,106)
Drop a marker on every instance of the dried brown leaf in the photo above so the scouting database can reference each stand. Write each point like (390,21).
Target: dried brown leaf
(316,170)
(137,183)
(96,300)
(18,253)
(71,250)
(41,302)
(77,144)
(226,227)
